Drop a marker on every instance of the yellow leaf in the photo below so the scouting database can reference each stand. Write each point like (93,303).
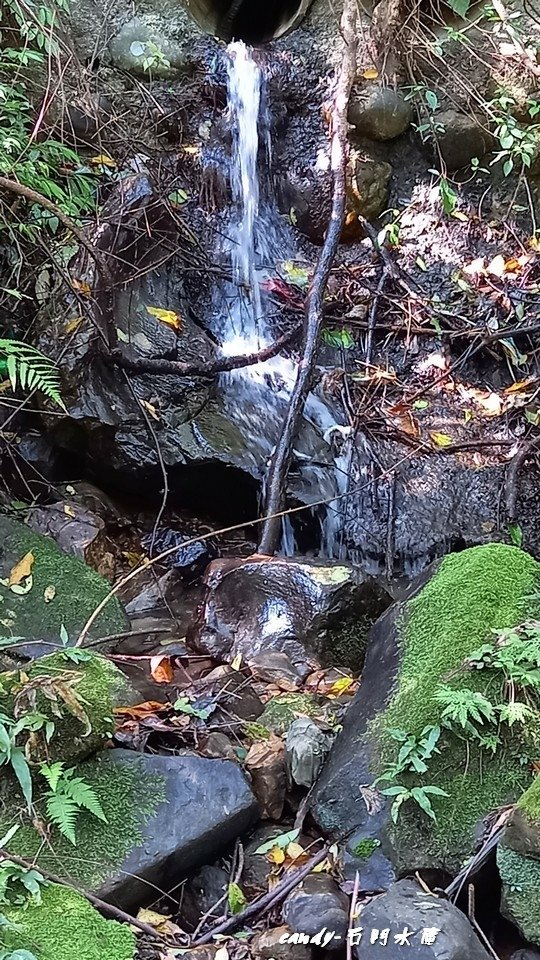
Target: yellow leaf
(221,954)
(294,850)
(21,570)
(150,408)
(441,439)
(237,662)
(323,867)
(168,317)
(467,415)
(102,160)
(534,243)
(370,74)
(73,324)
(276,855)
(82,287)
(132,557)
(49,593)
(341,685)
(69,511)
(459,215)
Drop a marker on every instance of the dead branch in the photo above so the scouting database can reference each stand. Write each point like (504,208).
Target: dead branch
(208,369)
(281,458)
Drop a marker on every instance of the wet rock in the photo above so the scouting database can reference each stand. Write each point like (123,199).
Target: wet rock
(153,596)
(463,138)
(269,945)
(191,558)
(273,666)
(362,855)
(307,191)
(201,895)
(166,815)
(257,868)
(450,611)
(525,955)
(380,113)
(85,119)
(317,903)
(234,695)
(64,591)
(518,860)
(217,746)
(76,531)
(90,497)
(307,748)
(265,764)
(406,907)
(38,455)
(306,609)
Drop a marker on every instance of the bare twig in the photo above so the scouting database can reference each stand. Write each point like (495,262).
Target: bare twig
(315,300)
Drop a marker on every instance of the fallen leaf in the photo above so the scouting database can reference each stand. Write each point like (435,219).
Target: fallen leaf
(132,558)
(21,588)
(21,570)
(82,287)
(150,408)
(370,74)
(441,439)
(178,197)
(168,317)
(401,416)
(236,898)
(521,385)
(161,668)
(102,160)
(49,593)
(69,511)
(221,954)
(340,686)
(140,710)
(73,325)
(282,841)
(298,276)
(497,266)
(276,855)
(161,923)
(237,662)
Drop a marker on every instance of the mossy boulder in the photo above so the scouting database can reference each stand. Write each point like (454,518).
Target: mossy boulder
(64,925)
(165,816)
(281,711)
(419,644)
(79,698)
(518,860)
(73,591)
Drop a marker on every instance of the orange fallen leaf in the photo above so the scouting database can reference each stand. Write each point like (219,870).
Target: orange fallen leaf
(82,287)
(140,710)
(401,416)
(161,668)
(21,570)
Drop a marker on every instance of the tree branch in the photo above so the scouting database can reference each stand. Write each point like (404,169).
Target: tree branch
(208,369)
(279,467)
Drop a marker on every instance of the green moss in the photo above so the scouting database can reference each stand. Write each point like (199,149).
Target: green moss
(474,592)
(65,926)
(79,589)
(365,848)
(521,891)
(129,798)
(280,712)
(529,802)
(97,685)
(348,641)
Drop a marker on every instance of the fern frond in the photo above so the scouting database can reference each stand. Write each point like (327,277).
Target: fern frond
(62,811)
(83,795)
(30,369)
(52,773)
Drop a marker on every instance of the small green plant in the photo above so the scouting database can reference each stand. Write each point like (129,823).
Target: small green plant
(464,708)
(152,53)
(518,142)
(13,754)
(66,797)
(19,885)
(419,795)
(365,848)
(30,369)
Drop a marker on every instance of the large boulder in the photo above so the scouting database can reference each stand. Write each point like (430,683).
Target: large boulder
(310,610)
(417,652)
(61,924)
(407,920)
(63,592)
(165,816)
(518,860)
(380,113)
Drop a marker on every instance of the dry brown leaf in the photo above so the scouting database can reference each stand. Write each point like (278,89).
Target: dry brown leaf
(82,287)
(160,922)
(401,416)
(161,668)
(21,570)
(150,408)
(69,510)
(140,710)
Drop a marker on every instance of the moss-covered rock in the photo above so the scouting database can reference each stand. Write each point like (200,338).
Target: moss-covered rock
(79,698)
(65,926)
(518,860)
(282,710)
(450,612)
(77,590)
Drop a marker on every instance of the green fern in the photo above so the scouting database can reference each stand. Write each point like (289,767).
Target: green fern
(66,797)
(30,369)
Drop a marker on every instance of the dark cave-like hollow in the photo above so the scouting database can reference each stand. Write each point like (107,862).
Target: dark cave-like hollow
(253,21)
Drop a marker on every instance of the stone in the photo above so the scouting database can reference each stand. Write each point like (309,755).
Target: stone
(201,895)
(192,557)
(407,907)
(380,113)
(273,666)
(448,612)
(75,529)
(257,868)
(281,711)
(362,855)
(306,747)
(74,590)
(269,945)
(232,697)
(309,610)
(462,139)
(166,815)
(78,698)
(219,747)
(518,860)
(143,39)
(64,925)
(525,955)
(315,904)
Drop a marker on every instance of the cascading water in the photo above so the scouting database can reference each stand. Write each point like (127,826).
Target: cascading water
(258,239)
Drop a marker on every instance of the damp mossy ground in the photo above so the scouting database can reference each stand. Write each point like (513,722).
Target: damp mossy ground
(473,593)
(78,590)
(529,802)
(520,877)
(129,798)
(64,926)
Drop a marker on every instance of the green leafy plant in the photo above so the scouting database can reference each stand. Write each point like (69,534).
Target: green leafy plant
(30,369)
(66,797)
(419,795)
(19,885)
(13,754)
(464,708)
